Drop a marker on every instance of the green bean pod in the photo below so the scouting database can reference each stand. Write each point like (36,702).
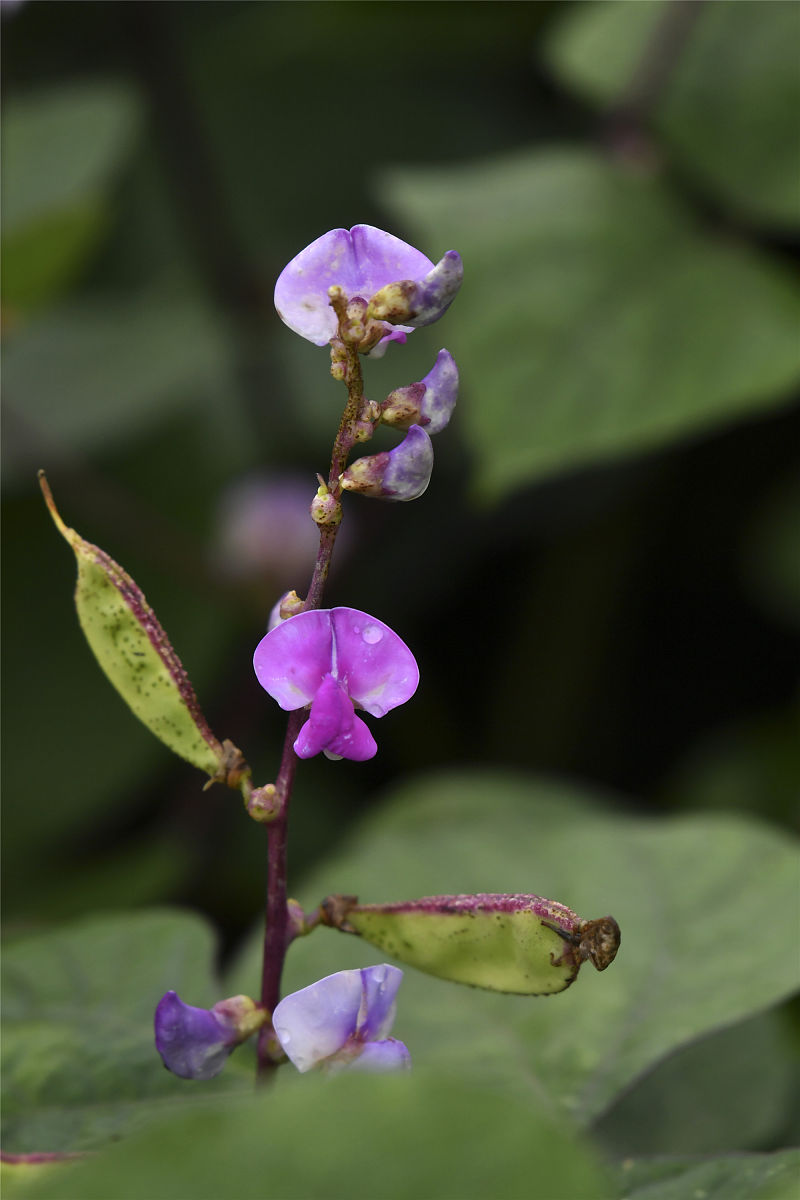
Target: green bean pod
(136,655)
(505,943)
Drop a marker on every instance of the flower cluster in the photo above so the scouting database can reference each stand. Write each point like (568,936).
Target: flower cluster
(357,290)
(386,289)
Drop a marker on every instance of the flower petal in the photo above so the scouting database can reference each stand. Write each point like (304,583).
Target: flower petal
(441,392)
(435,293)
(301,293)
(334,727)
(388,1055)
(315,1023)
(375,665)
(293,659)
(193,1042)
(408,471)
(380,258)
(379,1003)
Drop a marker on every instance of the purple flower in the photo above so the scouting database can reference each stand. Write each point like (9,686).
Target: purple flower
(342,1021)
(428,403)
(195,1042)
(400,474)
(333,659)
(363,261)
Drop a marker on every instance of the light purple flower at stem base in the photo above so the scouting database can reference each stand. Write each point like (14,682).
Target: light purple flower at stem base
(342,1021)
(363,261)
(331,660)
(195,1042)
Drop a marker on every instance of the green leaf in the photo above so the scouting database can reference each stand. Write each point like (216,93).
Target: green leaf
(728,110)
(62,150)
(351,1137)
(736,1177)
(705,904)
(80,1066)
(700,1099)
(595,318)
(92,376)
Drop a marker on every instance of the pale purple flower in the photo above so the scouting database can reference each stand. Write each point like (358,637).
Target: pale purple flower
(362,261)
(428,403)
(332,660)
(400,474)
(342,1021)
(195,1042)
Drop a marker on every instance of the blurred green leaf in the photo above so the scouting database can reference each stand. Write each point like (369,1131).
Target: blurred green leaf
(705,905)
(729,108)
(700,1099)
(595,318)
(351,1137)
(93,375)
(753,761)
(62,150)
(772,551)
(736,1177)
(80,1066)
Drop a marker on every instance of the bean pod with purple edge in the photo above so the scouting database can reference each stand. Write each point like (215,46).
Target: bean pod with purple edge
(135,653)
(521,944)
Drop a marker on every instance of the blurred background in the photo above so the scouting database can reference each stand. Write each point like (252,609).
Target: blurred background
(603,579)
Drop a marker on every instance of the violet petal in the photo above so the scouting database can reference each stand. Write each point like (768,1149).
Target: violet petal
(293,659)
(375,664)
(441,392)
(387,1055)
(379,1001)
(408,471)
(315,1023)
(193,1042)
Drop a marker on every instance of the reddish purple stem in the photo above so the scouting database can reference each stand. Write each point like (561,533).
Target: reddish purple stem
(276,931)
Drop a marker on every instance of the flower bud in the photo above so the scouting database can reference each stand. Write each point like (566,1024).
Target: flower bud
(400,474)
(516,943)
(429,403)
(195,1042)
(262,804)
(418,302)
(289,605)
(325,508)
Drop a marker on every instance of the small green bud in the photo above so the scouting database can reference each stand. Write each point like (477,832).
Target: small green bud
(325,508)
(136,655)
(262,803)
(505,943)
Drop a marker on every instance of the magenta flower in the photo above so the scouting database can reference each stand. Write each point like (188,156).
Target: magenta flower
(195,1042)
(332,660)
(400,474)
(364,261)
(342,1021)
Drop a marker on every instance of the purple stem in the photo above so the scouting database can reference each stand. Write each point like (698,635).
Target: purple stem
(276,925)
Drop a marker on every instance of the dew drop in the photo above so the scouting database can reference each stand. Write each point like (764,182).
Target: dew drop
(372,635)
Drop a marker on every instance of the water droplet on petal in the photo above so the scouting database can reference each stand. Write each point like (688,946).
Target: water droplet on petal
(372,635)
(379,974)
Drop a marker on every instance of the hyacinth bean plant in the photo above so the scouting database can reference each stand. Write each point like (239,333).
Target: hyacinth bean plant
(356,291)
